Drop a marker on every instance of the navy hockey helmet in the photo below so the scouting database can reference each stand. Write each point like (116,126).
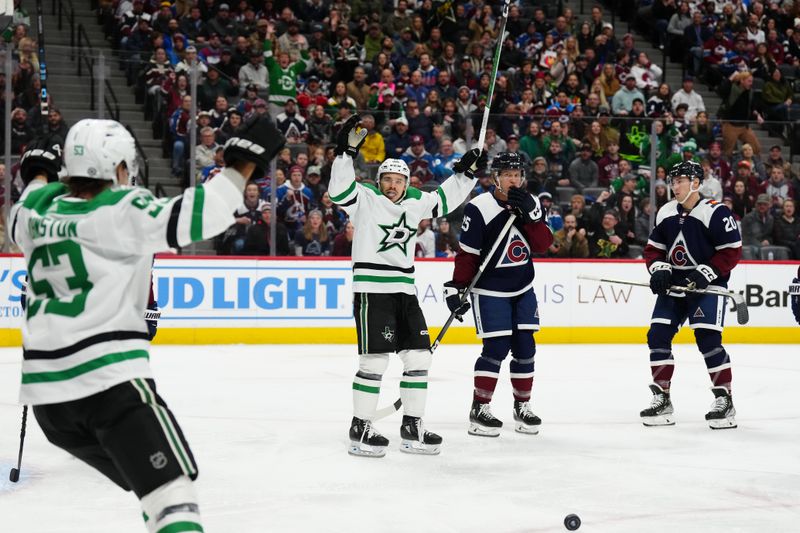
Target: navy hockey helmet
(508,161)
(690,169)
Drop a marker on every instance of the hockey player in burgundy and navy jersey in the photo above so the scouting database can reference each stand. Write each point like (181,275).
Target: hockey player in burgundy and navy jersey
(794,291)
(504,303)
(695,243)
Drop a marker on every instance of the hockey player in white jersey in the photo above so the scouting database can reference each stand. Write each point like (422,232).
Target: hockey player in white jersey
(387,313)
(504,304)
(88,244)
(695,243)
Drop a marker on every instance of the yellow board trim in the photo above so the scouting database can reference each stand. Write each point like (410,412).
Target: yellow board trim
(456,335)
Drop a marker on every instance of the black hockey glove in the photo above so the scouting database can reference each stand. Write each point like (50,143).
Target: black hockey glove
(350,137)
(701,277)
(524,204)
(452,296)
(257,141)
(660,275)
(151,316)
(41,157)
(471,162)
(794,292)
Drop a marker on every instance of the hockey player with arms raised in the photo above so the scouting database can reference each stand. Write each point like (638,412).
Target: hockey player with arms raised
(504,302)
(387,313)
(695,243)
(88,244)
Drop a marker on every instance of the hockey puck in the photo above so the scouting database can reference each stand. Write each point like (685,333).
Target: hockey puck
(572,522)
(13,476)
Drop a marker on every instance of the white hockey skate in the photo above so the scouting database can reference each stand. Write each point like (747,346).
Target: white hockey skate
(660,412)
(524,419)
(722,413)
(365,441)
(416,439)
(482,422)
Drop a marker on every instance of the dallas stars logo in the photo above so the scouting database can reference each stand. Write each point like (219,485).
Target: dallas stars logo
(388,334)
(397,234)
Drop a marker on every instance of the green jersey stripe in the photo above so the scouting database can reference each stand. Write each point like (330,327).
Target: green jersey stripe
(413,384)
(382,279)
(105,198)
(345,194)
(365,388)
(196,227)
(83,368)
(177,527)
(443,197)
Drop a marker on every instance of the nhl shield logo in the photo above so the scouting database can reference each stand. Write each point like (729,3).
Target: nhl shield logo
(158,460)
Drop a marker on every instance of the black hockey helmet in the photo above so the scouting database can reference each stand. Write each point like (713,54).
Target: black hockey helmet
(690,169)
(508,161)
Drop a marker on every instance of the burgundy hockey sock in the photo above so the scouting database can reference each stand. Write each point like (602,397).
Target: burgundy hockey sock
(662,375)
(722,378)
(522,387)
(485,383)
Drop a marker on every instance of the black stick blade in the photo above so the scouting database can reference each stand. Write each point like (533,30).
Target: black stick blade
(13,476)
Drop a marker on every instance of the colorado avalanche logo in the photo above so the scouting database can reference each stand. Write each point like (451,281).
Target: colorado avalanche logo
(678,255)
(517,251)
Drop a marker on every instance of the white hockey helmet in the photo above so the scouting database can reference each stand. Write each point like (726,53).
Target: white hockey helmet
(396,166)
(95,148)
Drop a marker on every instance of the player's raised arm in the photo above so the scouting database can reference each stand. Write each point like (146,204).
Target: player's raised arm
(343,188)
(455,189)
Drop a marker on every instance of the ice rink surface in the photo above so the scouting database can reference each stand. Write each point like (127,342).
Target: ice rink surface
(268,426)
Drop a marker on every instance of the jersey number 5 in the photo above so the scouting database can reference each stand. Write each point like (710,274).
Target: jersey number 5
(730,223)
(49,260)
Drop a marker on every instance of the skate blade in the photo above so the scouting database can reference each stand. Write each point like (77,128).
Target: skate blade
(365,450)
(483,431)
(723,423)
(521,427)
(661,420)
(420,448)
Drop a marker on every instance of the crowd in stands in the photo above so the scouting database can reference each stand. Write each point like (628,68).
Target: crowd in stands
(576,99)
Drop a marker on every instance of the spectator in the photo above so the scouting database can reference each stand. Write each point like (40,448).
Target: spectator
(358,89)
(646,73)
(447,244)
(206,150)
(426,241)
(778,97)
(212,88)
(634,143)
(313,241)
(687,95)
(778,189)
(291,123)
(737,112)
(443,160)
(282,75)
(247,235)
(748,156)
(294,202)
(583,172)
(293,42)
(642,227)
(419,161)
(222,26)
(605,241)
(627,218)
(741,201)
(178,127)
(608,166)
(757,227)
(786,229)
(254,73)
(570,241)
(320,126)
(399,141)
(343,242)
(623,99)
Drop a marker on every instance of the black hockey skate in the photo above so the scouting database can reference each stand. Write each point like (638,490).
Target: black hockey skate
(524,419)
(722,413)
(416,439)
(482,422)
(365,440)
(660,412)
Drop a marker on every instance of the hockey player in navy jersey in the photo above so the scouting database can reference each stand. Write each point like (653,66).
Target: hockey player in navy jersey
(695,243)
(504,303)
(794,291)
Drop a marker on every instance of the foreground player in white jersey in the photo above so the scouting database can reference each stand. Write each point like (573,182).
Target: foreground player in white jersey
(505,307)
(388,317)
(88,245)
(695,243)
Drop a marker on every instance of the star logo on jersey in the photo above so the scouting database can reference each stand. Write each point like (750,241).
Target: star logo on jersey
(397,234)
(388,334)
(517,251)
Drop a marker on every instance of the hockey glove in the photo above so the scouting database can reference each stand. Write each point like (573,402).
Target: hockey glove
(258,141)
(794,291)
(350,137)
(471,162)
(452,296)
(151,316)
(701,277)
(660,275)
(524,204)
(41,157)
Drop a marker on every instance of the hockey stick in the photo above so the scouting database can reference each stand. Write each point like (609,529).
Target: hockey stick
(13,476)
(739,304)
(492,79)
(43,104)
(389,409)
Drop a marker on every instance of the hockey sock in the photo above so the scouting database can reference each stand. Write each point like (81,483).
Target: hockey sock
(662,363)
(172,507)
(521,367)
(487,367)
(717,360)
(367,384)
(414,385)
